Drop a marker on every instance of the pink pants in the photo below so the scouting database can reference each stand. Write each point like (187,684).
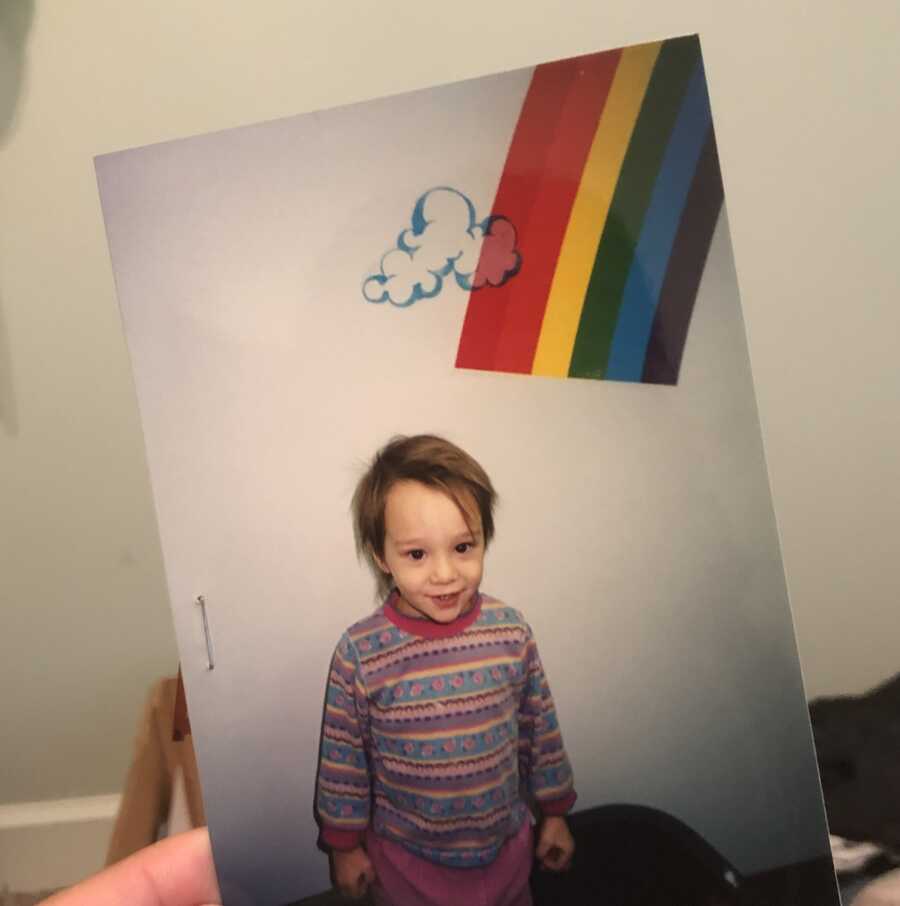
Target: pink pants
(407,880)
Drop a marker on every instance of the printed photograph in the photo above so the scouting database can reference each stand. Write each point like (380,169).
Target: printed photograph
(463,501)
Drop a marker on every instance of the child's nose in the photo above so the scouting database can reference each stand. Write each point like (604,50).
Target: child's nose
(442,569)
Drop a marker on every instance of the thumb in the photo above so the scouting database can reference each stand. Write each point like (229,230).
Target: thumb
(543,847)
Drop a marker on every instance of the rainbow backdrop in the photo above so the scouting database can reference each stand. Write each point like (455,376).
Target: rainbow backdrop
(612,181)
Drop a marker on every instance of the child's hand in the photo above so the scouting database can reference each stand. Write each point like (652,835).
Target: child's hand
(353,872)
(555,844)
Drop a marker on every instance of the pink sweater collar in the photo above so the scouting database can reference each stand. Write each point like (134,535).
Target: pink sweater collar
(429,629)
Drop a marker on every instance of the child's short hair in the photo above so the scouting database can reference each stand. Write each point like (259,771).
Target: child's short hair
(432,461)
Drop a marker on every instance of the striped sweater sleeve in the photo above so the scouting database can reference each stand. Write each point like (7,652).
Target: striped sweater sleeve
(343,788)
(543,762)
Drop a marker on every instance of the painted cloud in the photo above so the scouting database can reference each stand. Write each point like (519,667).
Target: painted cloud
(444,238)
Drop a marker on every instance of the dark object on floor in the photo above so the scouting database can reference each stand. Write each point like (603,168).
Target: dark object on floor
(858,750)
(629,855)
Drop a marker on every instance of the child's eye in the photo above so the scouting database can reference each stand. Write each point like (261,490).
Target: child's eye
(416,554)
(465,547)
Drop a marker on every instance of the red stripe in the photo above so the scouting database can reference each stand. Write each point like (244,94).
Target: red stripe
(536,192)
(531,143)
(338,839)
(542,235)
(557,806)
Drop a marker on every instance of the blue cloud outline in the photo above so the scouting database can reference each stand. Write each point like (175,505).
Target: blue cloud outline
(418,224)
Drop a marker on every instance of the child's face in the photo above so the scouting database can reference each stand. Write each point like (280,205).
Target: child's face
(434,557)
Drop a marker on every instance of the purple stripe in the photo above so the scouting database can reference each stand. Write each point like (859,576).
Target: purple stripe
(455,729)
(679,293)
(347,724)
(427,787)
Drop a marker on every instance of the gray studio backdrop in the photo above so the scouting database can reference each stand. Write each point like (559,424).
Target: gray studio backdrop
(635,530)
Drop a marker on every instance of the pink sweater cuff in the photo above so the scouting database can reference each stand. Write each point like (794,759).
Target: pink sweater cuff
(557,806)
(341,840)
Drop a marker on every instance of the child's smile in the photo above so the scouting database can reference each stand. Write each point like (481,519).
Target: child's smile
(432,550)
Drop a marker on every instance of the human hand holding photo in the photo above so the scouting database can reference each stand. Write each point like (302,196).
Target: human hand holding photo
(556,845)
(353,872)
(178,871)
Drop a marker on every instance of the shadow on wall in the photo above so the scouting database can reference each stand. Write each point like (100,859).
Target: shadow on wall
(15,22)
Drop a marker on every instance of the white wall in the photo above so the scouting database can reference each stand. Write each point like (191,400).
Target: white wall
(47,845)
(809,164)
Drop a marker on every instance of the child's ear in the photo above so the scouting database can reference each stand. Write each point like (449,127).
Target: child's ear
(379,562)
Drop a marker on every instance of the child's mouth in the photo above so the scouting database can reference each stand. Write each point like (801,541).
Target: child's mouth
(445,601)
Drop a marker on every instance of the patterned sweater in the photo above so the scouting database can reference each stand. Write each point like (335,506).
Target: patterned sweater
(434,733)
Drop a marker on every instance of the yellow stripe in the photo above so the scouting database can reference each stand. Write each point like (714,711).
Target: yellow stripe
(443,672)
(352,823)
(590,209)
(341,712)
(438,734)
(547,791)
(433,793)
(339,767)
(338,734)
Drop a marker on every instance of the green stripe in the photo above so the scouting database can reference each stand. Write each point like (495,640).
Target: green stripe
(677,60)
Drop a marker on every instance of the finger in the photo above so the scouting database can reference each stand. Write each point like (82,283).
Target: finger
(178,871)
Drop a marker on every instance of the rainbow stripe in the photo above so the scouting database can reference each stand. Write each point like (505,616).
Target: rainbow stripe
(613,184)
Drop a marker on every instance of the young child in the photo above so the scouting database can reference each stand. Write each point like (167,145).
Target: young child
(439,726)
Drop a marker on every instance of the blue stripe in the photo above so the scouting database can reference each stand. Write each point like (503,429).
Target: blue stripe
(651,257)
(459,804)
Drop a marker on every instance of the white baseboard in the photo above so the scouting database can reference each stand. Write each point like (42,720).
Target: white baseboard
(45,845)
